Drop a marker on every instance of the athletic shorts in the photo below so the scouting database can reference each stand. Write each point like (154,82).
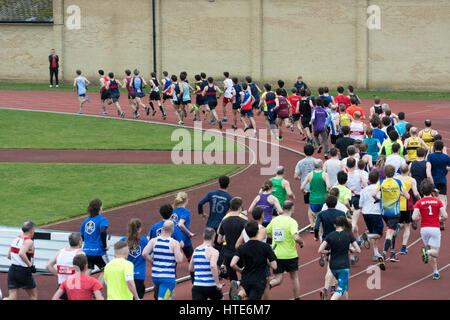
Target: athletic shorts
(115,98)
(406,216)
(391,222)
(154,95)
(140,287)
(442,187)
(188,251)
(248,113)
(199,100)
(176,102)
(105,94)
(131,96)
(165,287)
(167,96)
(333,138)
(296,117)
(374,223)
(341,276)
(82,95)
(288,265)
(186,102)
(306,198)
(272,117)
(431,236)
(254,289)
(354,202)
(282,117)
(255,104)
(236,106)
(316,207)
(20,278)
(212,105)
(305,122)
(226,100)
(205,293)
(140,94)
(99,261)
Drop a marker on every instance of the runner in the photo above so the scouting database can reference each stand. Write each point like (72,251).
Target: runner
(394,159)
(104,93)
(340,98)
(254,91)
(21,255)
(210,91)
(204,267)
(371,212)
(357,127)
(94,232)
(407,206)
(176,99)
(200,100)
(400,126)
(185,95)
(344,142)
(386,147)
(378,134)
(283,107)
(119,275)
(294,99)
(136,243)
(128,84)
(246,109)
(318,119)
(432,213)
(354,108)
(267,202)
(305,109)
(63,260)
(283,91)
(182,217)
(427,134)
(337,244)
(138,83)
(155,96)
(80,84)
(332,166)
(365,156)
(164,253)
(268,104)
(284,233)
(373,145)
(319,184)
(254,255)
(236,105)
(281,187)
(228,95)
(79,286)
(303,168)
(333,123)
(166,84)
(258,216)
(166,212)
(113,86)
(376,109)
(352,94)
(391,190)
(412,144)
(418,168)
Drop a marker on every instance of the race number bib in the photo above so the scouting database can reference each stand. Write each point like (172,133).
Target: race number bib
(278,234)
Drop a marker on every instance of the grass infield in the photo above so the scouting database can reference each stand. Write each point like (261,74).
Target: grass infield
(50,192)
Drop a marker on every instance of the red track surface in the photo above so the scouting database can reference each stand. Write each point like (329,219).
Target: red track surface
(408,279)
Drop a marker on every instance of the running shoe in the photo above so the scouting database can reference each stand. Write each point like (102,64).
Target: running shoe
(292,128)
(442,225)
(414,225)
(321,260)
(246,128)
(88,99)
(80,112)
(154,112)
(403,250)
(333,290)
(360,241)
(320,149)
(436,276)
(147,110)
(212,122)
(122,115)
(381,263)
(104,113)
(220,124)
(396,230)
(354,260)
(195,108)
(366,240)
(233,127)
(180,123)
(224,119)
(424,255)
(57,86)
(164,116)
(234,290)
(323,294)
(394,257)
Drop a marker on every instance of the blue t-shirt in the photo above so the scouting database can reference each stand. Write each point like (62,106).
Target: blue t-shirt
(372,148)
(401,127)
(219,204)
(90,229)
(380,135)
(439,162)
(135,257)
(183,213)
(156,230)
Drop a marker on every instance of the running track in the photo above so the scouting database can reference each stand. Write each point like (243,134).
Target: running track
(408,279)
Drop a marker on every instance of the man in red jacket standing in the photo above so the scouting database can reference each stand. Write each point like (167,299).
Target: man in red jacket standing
(53,59)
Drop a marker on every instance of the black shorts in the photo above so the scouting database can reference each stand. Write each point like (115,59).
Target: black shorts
(283,117)
(442,187)
(236,106)
(354,202)
(305,122)
(131,97)
(188,251)
(200,100)
(20,278)
(254,289)
(288,265)
(205,293)
(140,287)
(406,216)
(212,105)
(374,223)
(296,117)
(333,138)
(115,97)
(154,95)
(176,102)
(105,94)
(306,198)
(185,103)
(167,96)
(391,222)
(99,261)
(255,104)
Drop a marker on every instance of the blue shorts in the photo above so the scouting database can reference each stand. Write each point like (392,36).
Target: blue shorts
(341,276)
(82,95)
(316,207)
(165,287)
(248,113)
(374,223)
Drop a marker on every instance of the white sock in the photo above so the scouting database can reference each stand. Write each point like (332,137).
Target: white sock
(375,251)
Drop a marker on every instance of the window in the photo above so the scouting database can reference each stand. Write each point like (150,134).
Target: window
(26,11)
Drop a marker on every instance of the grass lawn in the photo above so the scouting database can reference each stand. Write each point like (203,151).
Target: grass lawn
(52,192)
(40,130)
(363,94)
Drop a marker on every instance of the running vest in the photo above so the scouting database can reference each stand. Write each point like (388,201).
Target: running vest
(247,103)
(270,101)
(211,93)
(137,84)
(228,93)
(378,110)
(318,189)
(114,87)
(64,264)
(186,92)
(354,183)
(105,79)
(427,137)
(176,96)
(254,91)
(198,85)
(283,110)
(357,130)
(237,98)
(266,206)
(130,90)
(344,120)
(278,191)
(164,263)
(167,87)
(81,86)
(403,202)
(203,276)
(15,248)
(156,88)
(411,150)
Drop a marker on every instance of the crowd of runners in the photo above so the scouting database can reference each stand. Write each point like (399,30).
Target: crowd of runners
(376,165)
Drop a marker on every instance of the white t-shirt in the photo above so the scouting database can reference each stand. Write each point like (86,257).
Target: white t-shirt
(396,161)
(367,202)
(228,92)
(333,167)
(339,206)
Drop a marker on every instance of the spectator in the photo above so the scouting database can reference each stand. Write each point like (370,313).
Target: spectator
(53,60)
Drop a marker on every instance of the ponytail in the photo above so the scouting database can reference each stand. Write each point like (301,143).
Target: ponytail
(133,234)
(268,184)
(180,199)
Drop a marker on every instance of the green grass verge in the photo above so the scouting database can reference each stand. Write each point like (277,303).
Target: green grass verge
(42,130)
(52,192)
(363,94)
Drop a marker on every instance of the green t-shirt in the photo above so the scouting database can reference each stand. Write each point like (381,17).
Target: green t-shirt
(344,193)
(282,228)
(318,189)
(278,191)
(116,273)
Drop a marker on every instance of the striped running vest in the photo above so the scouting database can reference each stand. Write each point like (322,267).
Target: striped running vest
(164,263)
(203,276)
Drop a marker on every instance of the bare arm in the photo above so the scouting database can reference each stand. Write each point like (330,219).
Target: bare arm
(355,247)
(429,175)
(252,206)
(51,264)
(58,294)
(26,247)
(322,247)
(98,295)
(307,180)
(176,247)
(240,241)
(234,265)
(287,187)
(148,248)
(132,286)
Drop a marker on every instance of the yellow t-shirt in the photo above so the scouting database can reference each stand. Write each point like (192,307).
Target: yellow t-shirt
(116,273)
